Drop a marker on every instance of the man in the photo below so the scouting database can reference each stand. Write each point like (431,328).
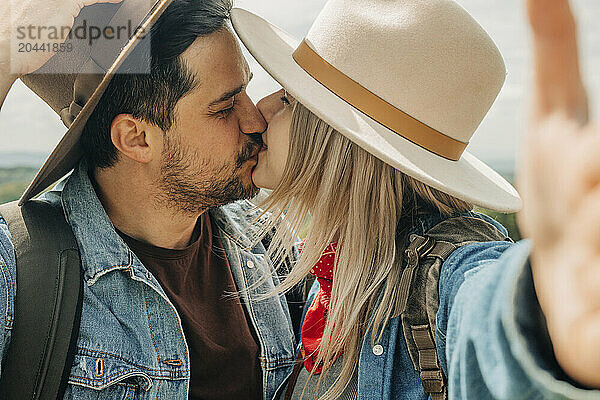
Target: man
(153,203)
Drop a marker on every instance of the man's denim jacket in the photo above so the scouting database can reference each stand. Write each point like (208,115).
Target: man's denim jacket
(131,344)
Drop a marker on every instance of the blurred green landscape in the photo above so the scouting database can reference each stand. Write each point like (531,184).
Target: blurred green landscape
(14,180)
(508,220)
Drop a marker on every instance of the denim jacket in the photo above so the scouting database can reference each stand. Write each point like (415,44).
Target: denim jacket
(131,343)
(489,336)
(490,333)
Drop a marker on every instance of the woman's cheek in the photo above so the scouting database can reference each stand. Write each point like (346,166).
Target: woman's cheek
(285,138)
(278,142)
(283,155)
(262,175)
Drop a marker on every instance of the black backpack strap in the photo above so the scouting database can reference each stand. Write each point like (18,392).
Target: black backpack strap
(47,305)
(419,296)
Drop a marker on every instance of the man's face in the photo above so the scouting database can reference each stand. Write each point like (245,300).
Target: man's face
(207,157)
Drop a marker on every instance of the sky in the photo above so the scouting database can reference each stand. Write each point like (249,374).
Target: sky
(27,124)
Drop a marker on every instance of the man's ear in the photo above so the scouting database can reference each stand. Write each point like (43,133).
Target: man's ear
(129,136)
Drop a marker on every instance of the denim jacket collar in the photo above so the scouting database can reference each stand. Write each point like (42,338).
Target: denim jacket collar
(102,249)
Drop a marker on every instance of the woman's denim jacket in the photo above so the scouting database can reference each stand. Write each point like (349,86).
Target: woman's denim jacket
(490,332)
(131,343)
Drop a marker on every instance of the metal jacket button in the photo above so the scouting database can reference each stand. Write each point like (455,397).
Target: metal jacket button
(378,349)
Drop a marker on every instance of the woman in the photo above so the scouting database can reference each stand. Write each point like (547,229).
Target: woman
(383,99)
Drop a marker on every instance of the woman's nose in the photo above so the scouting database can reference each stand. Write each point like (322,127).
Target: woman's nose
(270,105)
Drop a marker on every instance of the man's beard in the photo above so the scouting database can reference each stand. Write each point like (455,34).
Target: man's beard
(189,184)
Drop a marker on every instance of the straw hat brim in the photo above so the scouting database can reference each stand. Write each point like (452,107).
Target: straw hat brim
(68,152)
(468,179)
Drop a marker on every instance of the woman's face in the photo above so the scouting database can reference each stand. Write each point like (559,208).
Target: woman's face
(277,111)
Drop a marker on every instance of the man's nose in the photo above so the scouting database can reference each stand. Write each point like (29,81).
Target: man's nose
(251,120)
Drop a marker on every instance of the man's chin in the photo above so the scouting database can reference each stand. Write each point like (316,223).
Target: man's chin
(178,196)
(251,190)
(246,189)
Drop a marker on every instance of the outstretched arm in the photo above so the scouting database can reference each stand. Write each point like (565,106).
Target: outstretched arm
(7,78)
(559,181)
(522,319)
(558,87)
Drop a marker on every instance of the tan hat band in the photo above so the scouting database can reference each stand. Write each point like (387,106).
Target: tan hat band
(375,107)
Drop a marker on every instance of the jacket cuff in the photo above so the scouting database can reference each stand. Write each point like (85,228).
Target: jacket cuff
(526,332)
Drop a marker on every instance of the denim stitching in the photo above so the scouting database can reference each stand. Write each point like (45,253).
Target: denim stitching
(187,355)
(8,283)
(268,364)
(73,378)
(149,324)
(281,362)
(108,377)
(159,382)
(93,353)
(105,270)
(130,391)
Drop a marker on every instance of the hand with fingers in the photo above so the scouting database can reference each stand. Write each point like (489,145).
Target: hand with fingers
(34,13)
(559,181)
(37,13)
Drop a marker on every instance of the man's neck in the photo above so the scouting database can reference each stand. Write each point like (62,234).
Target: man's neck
(129,201)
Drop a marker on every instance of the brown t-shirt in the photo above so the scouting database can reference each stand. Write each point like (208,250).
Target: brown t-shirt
(197,279)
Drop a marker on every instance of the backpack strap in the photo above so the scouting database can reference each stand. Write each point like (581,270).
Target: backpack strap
(47,305)
(418,301)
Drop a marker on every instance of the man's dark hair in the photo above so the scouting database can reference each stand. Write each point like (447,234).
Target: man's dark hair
(152,97)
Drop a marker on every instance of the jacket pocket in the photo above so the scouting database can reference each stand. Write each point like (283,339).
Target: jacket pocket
(99,375)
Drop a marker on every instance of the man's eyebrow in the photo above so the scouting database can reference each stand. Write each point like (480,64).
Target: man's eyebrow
(232,93)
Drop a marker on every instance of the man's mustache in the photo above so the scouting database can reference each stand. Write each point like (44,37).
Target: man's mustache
(257,138)
(250,150)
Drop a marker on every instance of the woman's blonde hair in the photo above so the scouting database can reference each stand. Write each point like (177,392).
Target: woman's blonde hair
(365,204)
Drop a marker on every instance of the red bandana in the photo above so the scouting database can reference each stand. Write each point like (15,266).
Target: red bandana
(316,315)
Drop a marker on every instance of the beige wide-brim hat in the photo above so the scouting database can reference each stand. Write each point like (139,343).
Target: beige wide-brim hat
(408,81)
(72,82)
